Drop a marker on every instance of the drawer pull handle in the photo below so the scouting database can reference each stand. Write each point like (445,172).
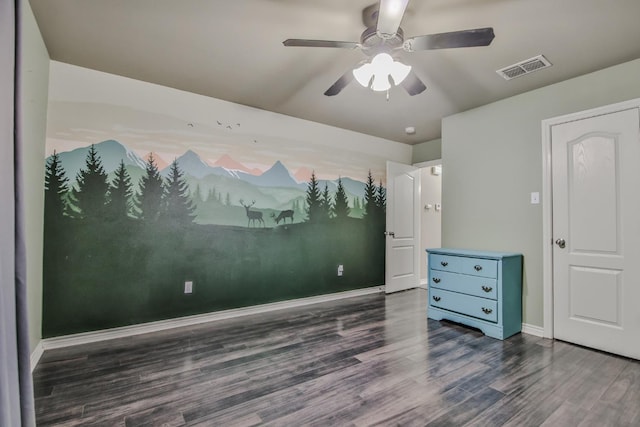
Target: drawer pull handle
(436,280)
(487,288)
(477,267)
(486,310)
(438,299)
(444,263)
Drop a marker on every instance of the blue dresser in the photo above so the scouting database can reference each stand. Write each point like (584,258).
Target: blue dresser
(476,288)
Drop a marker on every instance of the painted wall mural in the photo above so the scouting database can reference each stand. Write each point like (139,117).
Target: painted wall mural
(137,203)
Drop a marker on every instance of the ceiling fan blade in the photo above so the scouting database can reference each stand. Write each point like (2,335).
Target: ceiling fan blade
(412,84)
(340,84)
(320,43)
(464,38)
(390,15)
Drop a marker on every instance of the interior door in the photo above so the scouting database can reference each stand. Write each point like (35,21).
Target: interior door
(596,232)
(402,266)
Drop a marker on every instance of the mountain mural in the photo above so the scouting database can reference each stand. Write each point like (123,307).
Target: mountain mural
(110,151)
(192,164)
(276,176)
(224,183)
(229,163)
(352,186)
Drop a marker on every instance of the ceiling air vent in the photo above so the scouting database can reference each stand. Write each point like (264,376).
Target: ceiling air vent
(527,66)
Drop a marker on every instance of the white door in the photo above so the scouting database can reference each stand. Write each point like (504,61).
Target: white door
(596,230)
(402,267)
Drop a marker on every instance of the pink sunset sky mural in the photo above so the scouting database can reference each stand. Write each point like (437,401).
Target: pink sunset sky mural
(88,107)
(74,125)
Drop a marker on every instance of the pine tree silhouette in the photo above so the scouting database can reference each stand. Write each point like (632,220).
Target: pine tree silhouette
(92,192)
(120,203)
(55,189)
(381,203)
(197,195)
(341,203)
(211,196)
(152,190)
(179,207)
(370,192)
(325,203)
(314,209)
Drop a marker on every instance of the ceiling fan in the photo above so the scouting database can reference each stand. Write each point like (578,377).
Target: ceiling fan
(383,39)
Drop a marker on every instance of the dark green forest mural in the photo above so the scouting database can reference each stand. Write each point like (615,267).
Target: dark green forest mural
(123,235)
(161,203)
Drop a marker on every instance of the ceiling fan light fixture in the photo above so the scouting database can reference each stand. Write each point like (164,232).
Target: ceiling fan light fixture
(363,74)
(399,72)
(375,75)
(379,84)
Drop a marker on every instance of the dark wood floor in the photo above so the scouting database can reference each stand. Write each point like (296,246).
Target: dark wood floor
(362,361)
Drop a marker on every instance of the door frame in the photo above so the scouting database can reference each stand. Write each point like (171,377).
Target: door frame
(426,165)
(547,197)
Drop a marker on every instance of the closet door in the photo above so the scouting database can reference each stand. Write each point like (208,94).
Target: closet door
(596,231)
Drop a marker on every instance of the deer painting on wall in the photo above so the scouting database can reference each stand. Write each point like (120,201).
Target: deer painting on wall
(252,216)
(283,215)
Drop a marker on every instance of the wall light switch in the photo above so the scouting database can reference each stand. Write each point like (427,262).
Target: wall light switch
(535,198)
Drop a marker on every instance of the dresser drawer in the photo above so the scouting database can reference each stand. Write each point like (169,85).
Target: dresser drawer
(480,308)
(472,285)
(478,267)
(444,262)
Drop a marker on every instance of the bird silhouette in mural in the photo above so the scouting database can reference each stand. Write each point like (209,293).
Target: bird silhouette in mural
(252,216)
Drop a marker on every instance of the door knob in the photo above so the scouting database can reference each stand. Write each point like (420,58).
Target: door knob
(561,243)
(390,233)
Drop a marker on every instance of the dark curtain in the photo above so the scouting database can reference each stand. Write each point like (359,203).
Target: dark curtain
(16,389)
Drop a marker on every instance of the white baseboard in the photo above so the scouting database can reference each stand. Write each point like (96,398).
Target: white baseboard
(532,330)
(424,283)
(36,355)
(126,331)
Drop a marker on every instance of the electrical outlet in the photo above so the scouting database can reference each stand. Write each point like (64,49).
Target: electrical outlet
(340,270)
(188,287)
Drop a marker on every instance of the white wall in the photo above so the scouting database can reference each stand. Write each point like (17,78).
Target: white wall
(492,159)
(431,218)
(426,151)
(34,89)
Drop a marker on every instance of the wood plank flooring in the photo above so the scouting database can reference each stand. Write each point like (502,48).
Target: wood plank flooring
(372,360)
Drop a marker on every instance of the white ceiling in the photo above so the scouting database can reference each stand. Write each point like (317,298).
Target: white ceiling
(232,50)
